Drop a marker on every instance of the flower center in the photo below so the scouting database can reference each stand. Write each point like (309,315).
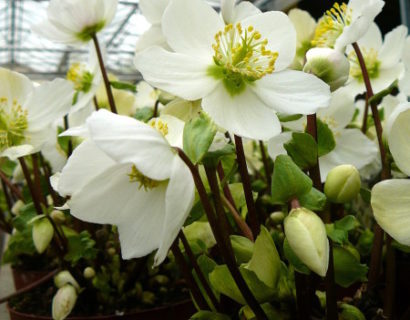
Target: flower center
(80,76)
(331,26)
(159,125)
(89,31)
(13,123)
(144,181)
(331,123)
(241,57)
(371,60)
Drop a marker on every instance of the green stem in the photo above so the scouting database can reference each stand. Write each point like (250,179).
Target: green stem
(105,75)
(246,183)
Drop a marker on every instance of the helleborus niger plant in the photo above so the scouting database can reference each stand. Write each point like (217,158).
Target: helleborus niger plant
(258,171)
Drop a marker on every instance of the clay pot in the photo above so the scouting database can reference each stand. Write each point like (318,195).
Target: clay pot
(23,278)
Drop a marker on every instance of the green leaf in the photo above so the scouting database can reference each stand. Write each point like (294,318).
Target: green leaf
(198,136)
(199,236)
(144,114)
(349,312)
(325,139)
(80,246)
(346,223)
(19,243)
(348,269)
(242,248)
(286,117)
(269,310)
(302,148)
(27,213)
(365,243)
(7,166)
(222,280)
(339,230)
(123,86)
(288,181)
(211,159)
(313,200)
(265,261)
(293,259)
(366,194)
(208,315)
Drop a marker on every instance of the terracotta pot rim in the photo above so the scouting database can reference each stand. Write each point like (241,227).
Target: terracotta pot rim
(101,317)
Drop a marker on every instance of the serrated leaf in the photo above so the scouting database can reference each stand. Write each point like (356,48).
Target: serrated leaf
(302,148)
(288,181)
(80,246)
(313,200)
(325,140)
(348,269)
(337,235)
(198,136)
(293,259)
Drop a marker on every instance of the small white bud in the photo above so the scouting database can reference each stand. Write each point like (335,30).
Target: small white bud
(307,237)
(89,273)
(65,277)
(342,184)
(64,302)
(329,65)
(42,234)
(16,207)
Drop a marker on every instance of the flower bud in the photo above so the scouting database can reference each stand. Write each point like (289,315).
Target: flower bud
(342,184)
(329,65)
(277,217)
(42,234)
(89,273)
(64,302)
(57,216)
(65,277)
(16,207)
(307,237)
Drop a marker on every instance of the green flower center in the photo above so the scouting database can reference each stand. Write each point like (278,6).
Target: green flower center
(331,26)
(80,76)
(371,60)
(13,123)
(88,32)
(143,181)
(241,57)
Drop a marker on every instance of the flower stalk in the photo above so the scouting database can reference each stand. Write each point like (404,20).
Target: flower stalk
(268,171)
(105,75)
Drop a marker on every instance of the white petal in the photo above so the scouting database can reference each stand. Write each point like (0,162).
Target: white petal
(391,202)
(51,32)
(352,147)
(14,86)
(227,7)
(372,38)
(13,153)
(276,144)
(110,9)
(179,74)
(152,37)
(86,162)
(387,76)
(49,102)
(304,24)
(277,28)
(293,92)
(392,49)
(175,130)
(190,27)
(130,141)
(153,9)
(243,10)
(398,133)
(179,199)
(244,115)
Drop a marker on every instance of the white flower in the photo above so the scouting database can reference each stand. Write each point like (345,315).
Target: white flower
(74,22)
(152,10)
(87,78)
(352,146)
(232,12)
(398,133)
(382,59)
(305,27)
(345,24)
(146,95)
(127,174)
(27,112)
(390,202)
(237,70)
(405,82)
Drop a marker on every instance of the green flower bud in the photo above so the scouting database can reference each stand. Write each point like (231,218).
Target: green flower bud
(16,207)
(342,184)
(89,273)
(63,278)
(329,65)
(42,234)
(63,302)
(307,237)
(148,298)
(111,251)
(277,217)
(57,216)
(160,280)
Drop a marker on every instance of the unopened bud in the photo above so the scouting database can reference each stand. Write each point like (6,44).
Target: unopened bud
(307,237)
(57,216)
(277,217)
(16,207)
(89,273)
(111,251)
(329,65)
(148,298)
(342,184)
(42,234)
(65,277)
(64,302)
